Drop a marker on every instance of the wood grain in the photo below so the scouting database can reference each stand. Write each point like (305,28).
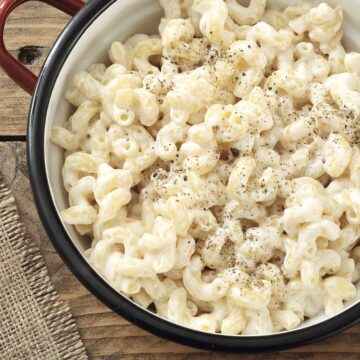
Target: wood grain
(33,24)
(106,335)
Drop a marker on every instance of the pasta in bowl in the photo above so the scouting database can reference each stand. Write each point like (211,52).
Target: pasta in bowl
(201,178)
(216,166)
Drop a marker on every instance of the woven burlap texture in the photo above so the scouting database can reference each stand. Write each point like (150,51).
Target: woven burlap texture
(34,323)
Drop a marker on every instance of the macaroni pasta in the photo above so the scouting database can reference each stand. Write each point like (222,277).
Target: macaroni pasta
(216,167)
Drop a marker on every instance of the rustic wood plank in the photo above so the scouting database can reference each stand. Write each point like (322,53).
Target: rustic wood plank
(106,335)
(33,24)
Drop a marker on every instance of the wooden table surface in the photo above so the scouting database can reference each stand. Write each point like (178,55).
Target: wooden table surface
(105,334)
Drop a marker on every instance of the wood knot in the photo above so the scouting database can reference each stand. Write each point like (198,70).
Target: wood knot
(29,55)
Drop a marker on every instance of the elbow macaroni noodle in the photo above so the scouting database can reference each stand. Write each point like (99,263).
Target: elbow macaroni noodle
(216,167)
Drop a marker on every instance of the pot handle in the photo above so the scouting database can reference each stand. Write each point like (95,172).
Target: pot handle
(13,68)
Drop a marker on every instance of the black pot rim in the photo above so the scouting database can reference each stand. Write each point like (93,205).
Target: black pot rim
(78,265)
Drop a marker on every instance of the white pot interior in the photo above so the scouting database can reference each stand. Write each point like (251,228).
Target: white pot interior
(121,20)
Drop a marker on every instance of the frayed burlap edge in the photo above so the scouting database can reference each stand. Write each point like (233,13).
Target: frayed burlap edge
(55,313)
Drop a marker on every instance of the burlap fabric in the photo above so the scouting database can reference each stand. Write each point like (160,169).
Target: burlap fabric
(34,323)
